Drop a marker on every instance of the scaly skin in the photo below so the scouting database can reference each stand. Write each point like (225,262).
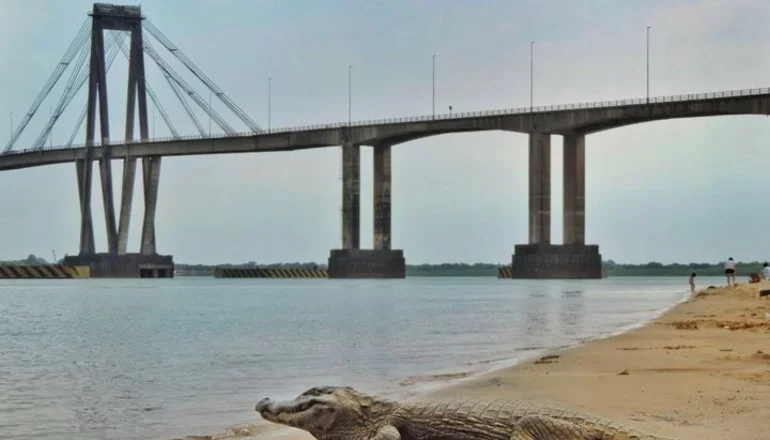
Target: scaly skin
(342,413)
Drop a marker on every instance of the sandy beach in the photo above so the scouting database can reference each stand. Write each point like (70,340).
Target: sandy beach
(700,371)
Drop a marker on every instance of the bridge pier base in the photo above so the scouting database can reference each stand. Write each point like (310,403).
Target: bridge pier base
(350,261)
(105,265)
(367,263)
(554,261)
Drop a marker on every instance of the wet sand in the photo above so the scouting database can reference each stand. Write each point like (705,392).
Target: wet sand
(700,371)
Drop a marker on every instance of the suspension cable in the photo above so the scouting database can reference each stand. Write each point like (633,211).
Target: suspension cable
(155,32)
(112,52)
(187,108)
(81,61)
(186,87)
(70,53)
(151,93)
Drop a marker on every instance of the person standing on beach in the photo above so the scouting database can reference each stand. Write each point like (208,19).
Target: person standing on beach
(766,271)
(730,271)
(692,282)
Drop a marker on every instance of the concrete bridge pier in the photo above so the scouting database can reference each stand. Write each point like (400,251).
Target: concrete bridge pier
(540,258)
(351,261)
(116,263)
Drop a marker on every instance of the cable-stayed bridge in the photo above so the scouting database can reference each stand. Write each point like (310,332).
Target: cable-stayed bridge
(111,31)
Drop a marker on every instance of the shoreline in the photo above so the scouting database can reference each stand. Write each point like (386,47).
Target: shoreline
(700,369)
(430,385)
(419,386)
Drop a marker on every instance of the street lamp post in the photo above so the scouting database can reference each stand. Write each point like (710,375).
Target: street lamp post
(209,113)
(531,74)
(434,86)
(269,101)
(350,87)
(450,111)
(648,64)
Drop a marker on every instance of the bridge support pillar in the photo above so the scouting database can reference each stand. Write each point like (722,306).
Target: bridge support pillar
(574,259)
(382,261)
(574,188)
(382,197)
(151,174)
(539,188)
(351,196)
(84,170)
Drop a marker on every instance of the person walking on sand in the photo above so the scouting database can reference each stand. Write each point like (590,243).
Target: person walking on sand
(730,271)
(692,282)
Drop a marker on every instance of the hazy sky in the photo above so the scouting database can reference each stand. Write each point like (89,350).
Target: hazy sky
(680,190)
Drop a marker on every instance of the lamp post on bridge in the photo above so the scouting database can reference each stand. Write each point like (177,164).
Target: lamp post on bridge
(269,101)
(209,113)
(648,64)
(350,87)
(433,81)
(531,74)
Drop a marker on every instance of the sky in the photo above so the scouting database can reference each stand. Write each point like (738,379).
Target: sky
(678,190)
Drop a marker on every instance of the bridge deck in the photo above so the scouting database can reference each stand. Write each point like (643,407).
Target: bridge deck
(556,119)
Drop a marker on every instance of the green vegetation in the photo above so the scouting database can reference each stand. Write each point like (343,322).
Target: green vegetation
(452,270)
(31,260)
(676,269)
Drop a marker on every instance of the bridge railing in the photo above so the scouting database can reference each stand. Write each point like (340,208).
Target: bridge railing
(438,117)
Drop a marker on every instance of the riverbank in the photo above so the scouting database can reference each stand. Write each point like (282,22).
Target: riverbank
(699,371)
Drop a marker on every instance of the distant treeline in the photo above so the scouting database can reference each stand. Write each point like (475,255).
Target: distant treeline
(614,269)
(31,260)
(677,269)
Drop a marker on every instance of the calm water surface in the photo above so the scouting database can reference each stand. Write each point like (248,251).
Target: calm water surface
(159,359)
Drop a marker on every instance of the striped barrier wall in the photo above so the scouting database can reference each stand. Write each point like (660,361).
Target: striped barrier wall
(270,273)
(504,272)
(45,271)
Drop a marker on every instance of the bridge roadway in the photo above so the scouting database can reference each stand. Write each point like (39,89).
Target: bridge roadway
(562,120)
(536,259)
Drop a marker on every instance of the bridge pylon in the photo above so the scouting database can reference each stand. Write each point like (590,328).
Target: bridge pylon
(116,262)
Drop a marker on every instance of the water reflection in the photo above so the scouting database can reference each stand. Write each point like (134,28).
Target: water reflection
(536,312)
(572,312)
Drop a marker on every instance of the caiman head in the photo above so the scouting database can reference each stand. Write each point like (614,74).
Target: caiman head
(333,413)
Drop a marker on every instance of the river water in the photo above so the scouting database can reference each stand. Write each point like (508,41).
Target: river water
(161,359)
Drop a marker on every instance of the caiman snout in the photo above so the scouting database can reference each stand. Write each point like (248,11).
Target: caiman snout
(263,404)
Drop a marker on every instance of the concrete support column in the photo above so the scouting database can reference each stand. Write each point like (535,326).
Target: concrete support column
(151,173)
(105,172)
(351,196)
(127,191)
(539,188)
(84,169)
(574,188)
(382,197)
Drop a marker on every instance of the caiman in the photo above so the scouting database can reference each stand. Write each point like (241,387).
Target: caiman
(342,413)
